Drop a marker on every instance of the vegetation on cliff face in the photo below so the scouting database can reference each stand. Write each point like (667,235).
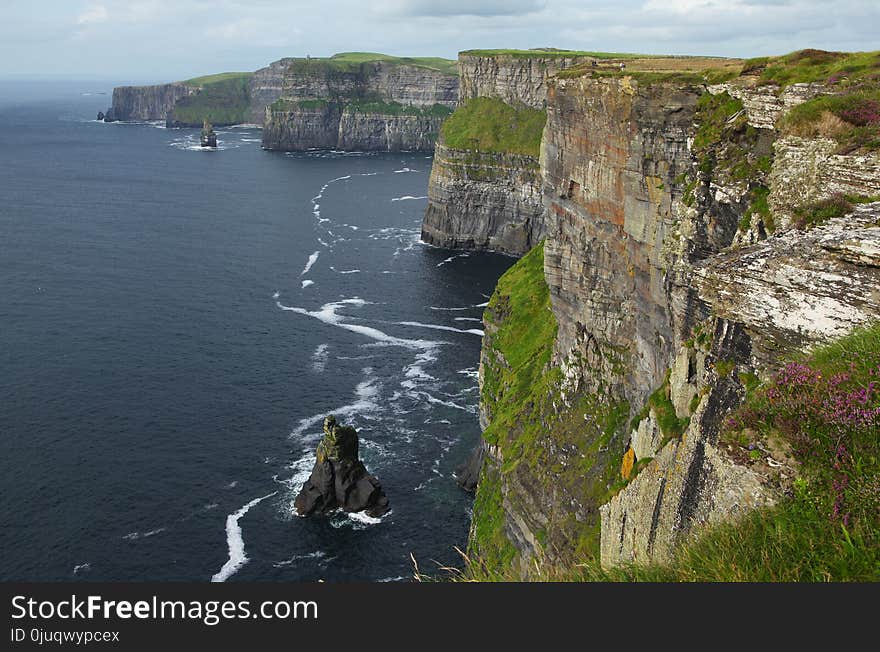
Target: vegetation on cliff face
(223,99)
(729,149)
(821,415)
(851,116)
(530,419)
(490,125)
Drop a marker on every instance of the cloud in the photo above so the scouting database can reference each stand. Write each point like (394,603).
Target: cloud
(93,14)
(438,8)
(152,40)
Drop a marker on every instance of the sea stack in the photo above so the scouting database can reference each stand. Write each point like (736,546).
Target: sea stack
(209,138)
(339,479)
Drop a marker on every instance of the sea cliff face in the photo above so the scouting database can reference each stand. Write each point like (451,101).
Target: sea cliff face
(327,125)
(484,200)
(408,100)
(676,275)
(264,88)
(515,79)
(385,106)
(492,199)
(146,102)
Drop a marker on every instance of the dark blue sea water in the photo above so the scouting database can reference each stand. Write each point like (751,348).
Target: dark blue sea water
(175,323)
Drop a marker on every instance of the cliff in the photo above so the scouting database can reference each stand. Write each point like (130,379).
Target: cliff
(264,88)
(360,102)
(513,76)
(484,191)
(146,102)
(696,240)
(409,96)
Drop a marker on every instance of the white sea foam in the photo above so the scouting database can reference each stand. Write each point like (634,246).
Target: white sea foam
(437,327)
(81,568)
(451,258)
(317,555)
(132,536)
(366,395)
(312,260)
(477,319)
(232,485)
(319,358)
(363,517)
(276,294)
(235,542)
(327,314)
(403,170)
(307,283)
(481,305)
(406,197)
(399,578)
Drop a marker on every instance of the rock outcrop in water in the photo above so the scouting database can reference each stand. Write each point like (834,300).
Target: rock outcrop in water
(208,137)
(339,479)
(674,275)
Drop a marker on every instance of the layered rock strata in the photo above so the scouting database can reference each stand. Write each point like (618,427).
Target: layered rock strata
(484,200)
(146,102)
(385,106)
(671,281)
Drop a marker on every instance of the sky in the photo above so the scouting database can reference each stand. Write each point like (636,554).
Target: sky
(142,41)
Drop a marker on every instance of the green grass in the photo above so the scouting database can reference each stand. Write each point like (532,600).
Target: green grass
(395,108)
(806,66)
(670,425)
(855,123)
(758,206)
(819,212)
(529,421)
(801,539)
(352,62)
(490,125)
(550,53)
(221,101)
(222,76)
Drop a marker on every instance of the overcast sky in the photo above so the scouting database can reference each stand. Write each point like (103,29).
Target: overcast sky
(161,40)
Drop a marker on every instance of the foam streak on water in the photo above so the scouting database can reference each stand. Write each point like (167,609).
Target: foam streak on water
(235,542)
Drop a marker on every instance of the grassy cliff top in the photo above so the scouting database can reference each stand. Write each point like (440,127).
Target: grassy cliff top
(547,53)
(806,66)
(219,77)
(661,68)
(351,61)
(490,125)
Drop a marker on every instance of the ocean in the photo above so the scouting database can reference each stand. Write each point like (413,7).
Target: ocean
(174,325)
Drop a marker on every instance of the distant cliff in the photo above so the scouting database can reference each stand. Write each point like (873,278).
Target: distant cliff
(484,191)
(361,102)
(146,102)
(349,101)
